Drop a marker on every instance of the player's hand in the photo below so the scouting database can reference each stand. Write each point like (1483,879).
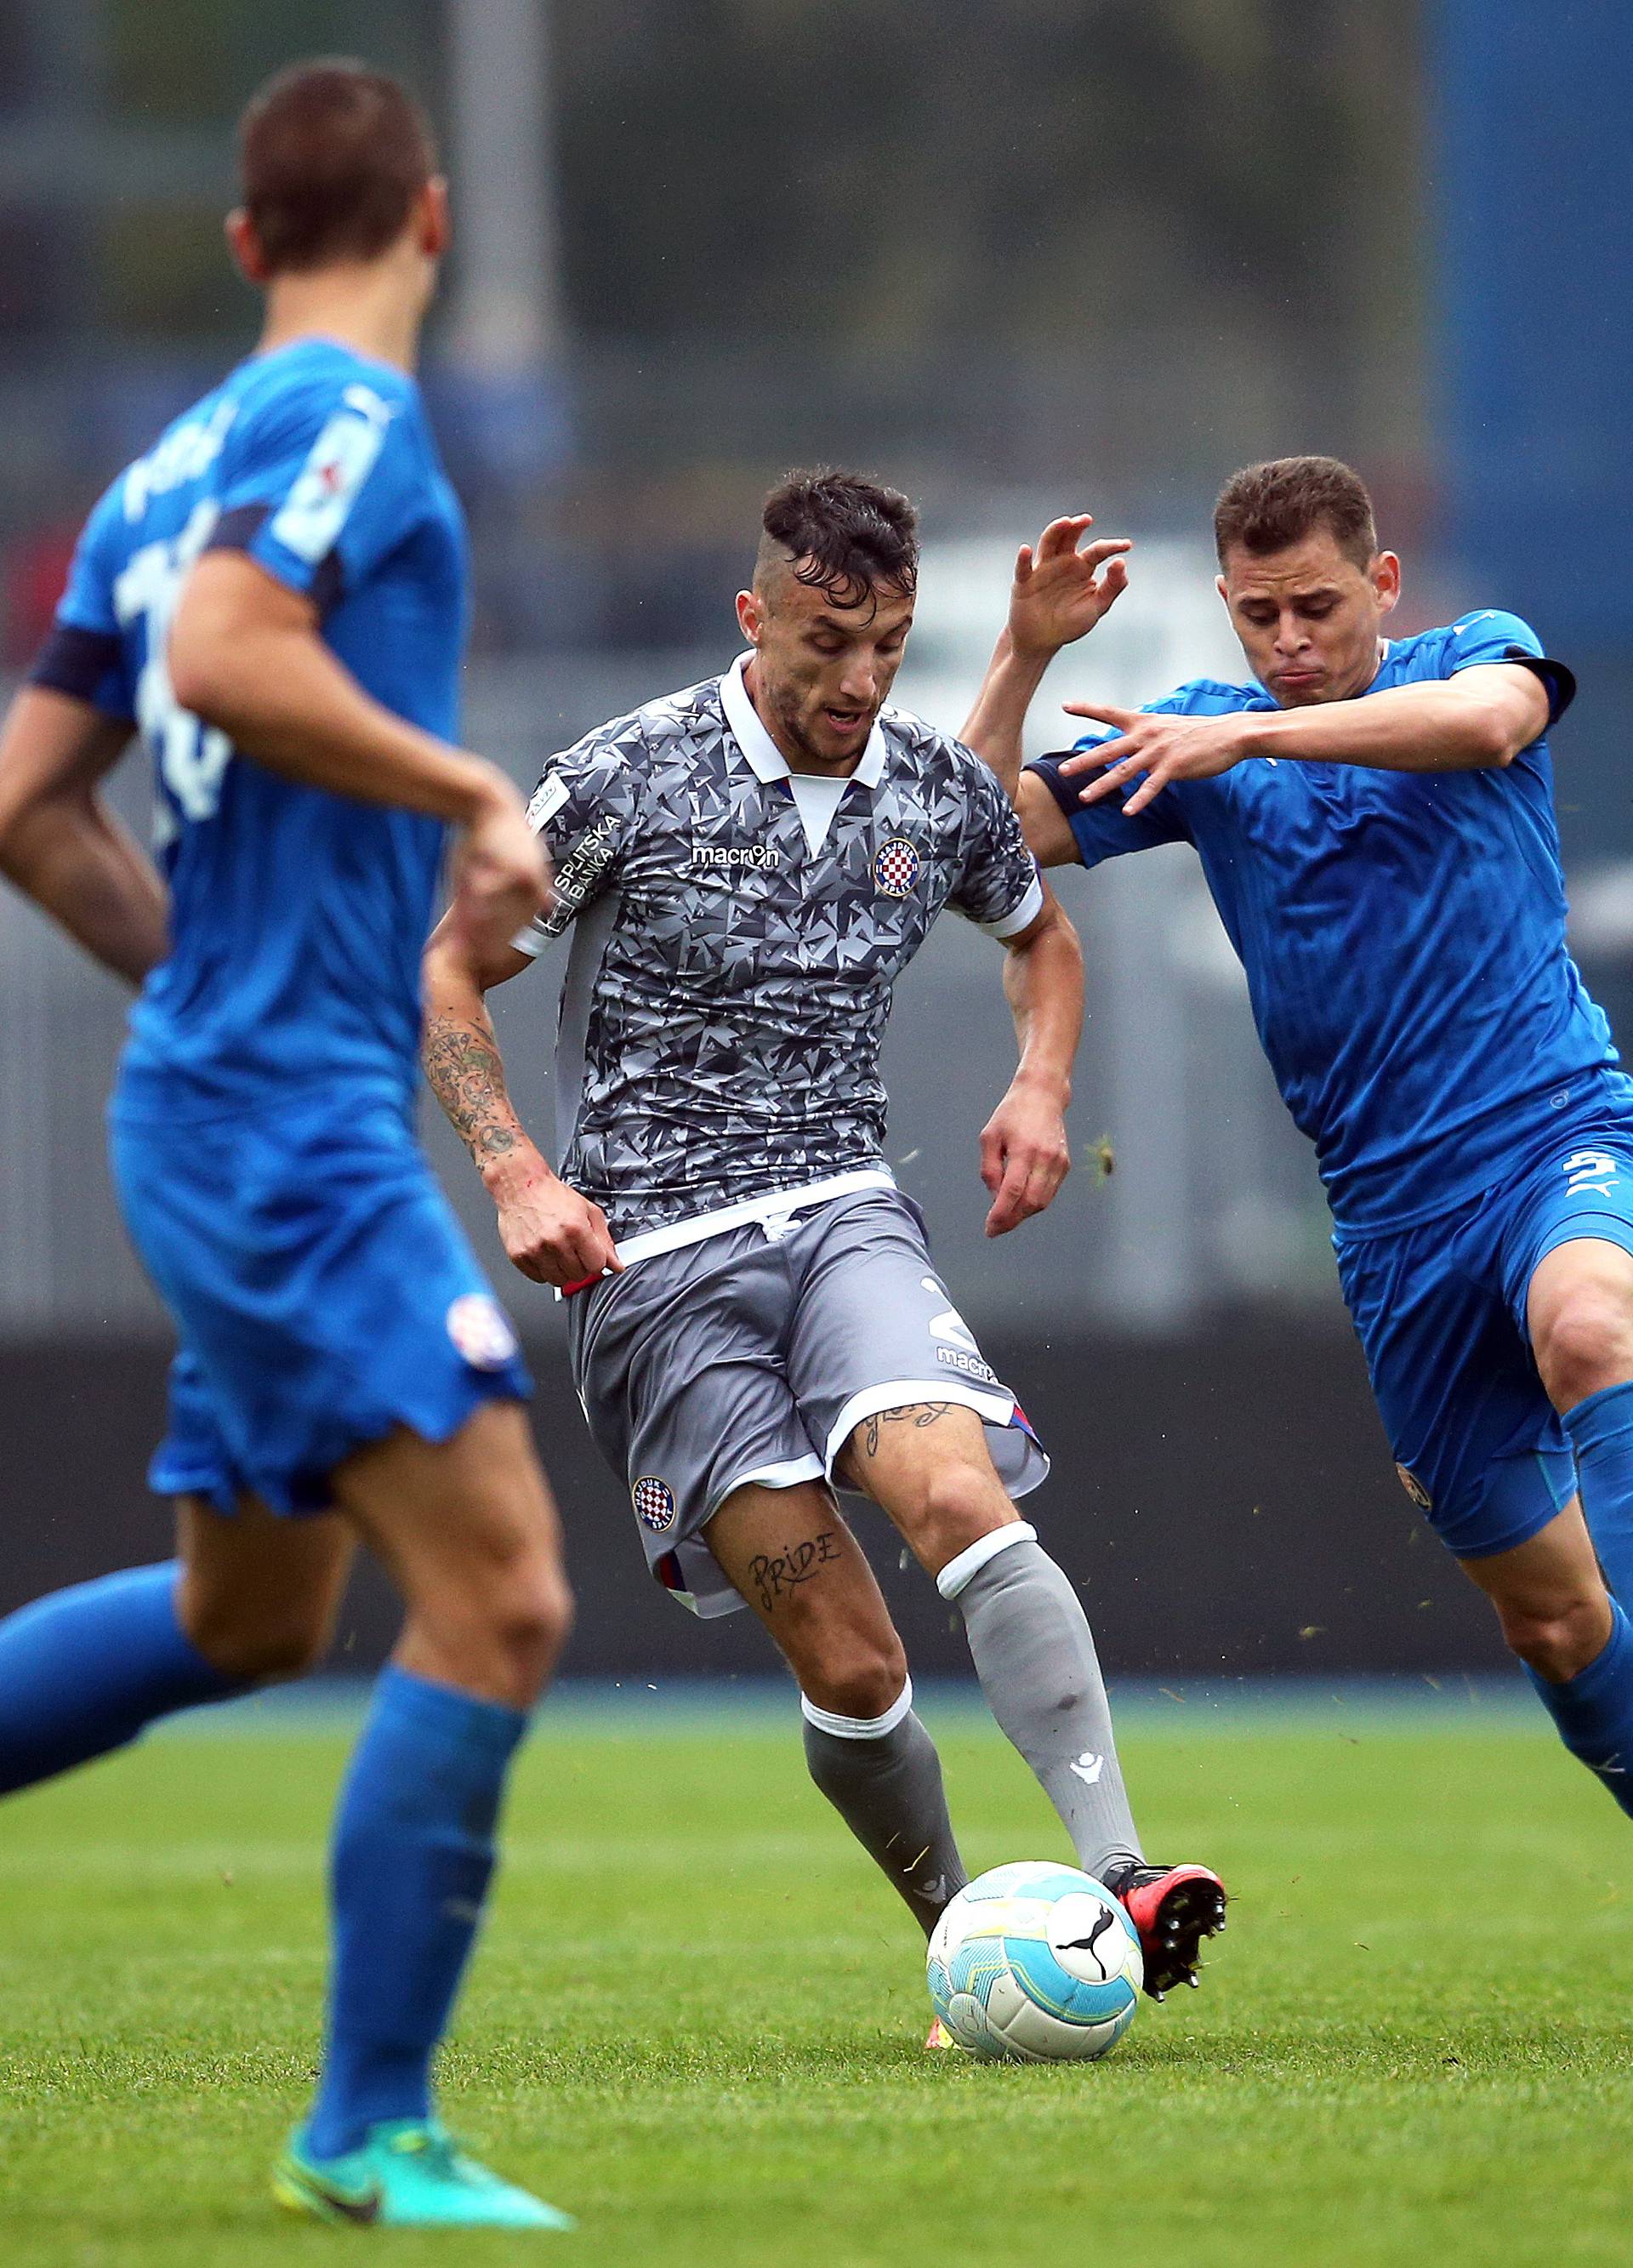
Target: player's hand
(1162,748)
(501,875)
(1059,592)
(1025,1156)
(550,1233)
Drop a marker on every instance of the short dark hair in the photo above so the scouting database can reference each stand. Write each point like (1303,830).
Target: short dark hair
(332,156)
(1266,507)
(846,536)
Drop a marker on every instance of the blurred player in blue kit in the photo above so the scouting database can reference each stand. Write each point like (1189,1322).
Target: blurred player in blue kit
(1375,819)
(274,596)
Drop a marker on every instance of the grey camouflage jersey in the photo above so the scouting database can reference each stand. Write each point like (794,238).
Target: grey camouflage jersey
(729,983)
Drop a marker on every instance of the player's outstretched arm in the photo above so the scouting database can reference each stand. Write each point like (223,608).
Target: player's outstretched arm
(549,1233)
(59,843)
(246,655)
(1058,595)
(1477,721)
(1024,1154)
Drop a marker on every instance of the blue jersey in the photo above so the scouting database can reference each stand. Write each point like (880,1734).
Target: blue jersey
(297,917)
(1404,935)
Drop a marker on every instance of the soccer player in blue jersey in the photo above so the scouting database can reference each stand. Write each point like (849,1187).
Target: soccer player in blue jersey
(1375,819)
(273,596)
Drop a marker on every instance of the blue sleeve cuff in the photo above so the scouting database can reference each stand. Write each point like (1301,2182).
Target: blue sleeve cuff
(1064,792)
(1558,683)
(87,665)
(240,529)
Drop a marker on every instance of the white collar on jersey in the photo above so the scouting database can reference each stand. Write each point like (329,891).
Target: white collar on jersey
(765,758)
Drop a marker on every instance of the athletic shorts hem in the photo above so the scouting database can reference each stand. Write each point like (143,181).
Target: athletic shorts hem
(1523,1534)
(789,1473)
(302,1487)
(1583,1228)
(904,1393)
(1520,1496)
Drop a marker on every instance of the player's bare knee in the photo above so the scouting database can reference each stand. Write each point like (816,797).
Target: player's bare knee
(863,1683)
(851,1662)
(1584,1343)
(1559,1639)
(531,1616)
(962,1501)
(256,1647)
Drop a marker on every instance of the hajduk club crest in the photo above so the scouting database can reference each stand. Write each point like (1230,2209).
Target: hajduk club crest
(654,1504)
(895,867)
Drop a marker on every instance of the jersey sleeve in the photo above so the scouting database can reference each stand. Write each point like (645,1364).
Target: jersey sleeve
(84,654)
(998,887)
(1476,639)
(1104,830)
(584,810)
(322,486)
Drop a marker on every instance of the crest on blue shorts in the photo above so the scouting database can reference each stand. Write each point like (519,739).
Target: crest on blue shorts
(654,1504)
(478,1328)
(895,867)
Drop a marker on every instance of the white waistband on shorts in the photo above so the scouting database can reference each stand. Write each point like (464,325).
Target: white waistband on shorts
(775,1204)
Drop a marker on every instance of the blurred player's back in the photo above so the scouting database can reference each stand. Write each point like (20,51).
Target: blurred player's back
(296,915)
(274,596)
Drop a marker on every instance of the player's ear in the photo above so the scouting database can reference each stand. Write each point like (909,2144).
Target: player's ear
(433,222)
(1385,580)
(750,616)
(245,246)
(1224,590)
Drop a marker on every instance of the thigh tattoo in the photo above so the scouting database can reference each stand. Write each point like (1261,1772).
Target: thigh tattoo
(774,1574)
(916,1414)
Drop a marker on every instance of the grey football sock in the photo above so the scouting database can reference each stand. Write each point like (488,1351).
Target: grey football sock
(1029,1638)
(883,1777)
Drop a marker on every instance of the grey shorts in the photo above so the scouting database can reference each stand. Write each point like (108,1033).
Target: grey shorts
(754,1355)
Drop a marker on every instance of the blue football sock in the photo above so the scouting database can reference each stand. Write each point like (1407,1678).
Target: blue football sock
(413,1853)
(1594,1711)
(82,1671)
(1601,1433)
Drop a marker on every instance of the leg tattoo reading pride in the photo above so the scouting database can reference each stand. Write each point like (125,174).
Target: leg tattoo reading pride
(776,1573)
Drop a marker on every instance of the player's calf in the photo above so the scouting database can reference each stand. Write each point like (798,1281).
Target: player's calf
(467,1530)
(928,1466)
(1574,1640)
(790,1554)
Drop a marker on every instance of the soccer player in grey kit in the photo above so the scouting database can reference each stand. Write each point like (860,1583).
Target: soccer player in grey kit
(754,1318)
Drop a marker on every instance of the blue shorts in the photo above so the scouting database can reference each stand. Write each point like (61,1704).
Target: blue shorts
(323,1293)
(1440,1310)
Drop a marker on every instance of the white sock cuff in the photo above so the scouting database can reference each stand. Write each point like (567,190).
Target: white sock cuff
(957,1571)
(859,1728)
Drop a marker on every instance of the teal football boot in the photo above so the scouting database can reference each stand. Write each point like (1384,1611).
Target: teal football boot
(408,2175)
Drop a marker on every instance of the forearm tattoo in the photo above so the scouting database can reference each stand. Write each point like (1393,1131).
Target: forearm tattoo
(774,1574)
(467,1074)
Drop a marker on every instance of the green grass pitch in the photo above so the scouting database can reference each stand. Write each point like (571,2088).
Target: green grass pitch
(697,2019)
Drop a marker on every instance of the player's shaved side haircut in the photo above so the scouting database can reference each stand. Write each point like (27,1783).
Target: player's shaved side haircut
(840,534)
(332,156)
(1267,507)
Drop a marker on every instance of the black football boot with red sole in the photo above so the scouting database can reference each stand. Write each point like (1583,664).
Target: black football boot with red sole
(1173,1909)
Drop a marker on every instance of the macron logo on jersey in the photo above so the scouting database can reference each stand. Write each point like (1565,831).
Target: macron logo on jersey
(341,459)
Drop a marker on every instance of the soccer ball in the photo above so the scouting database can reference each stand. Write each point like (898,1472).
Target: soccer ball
(1035,1964)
